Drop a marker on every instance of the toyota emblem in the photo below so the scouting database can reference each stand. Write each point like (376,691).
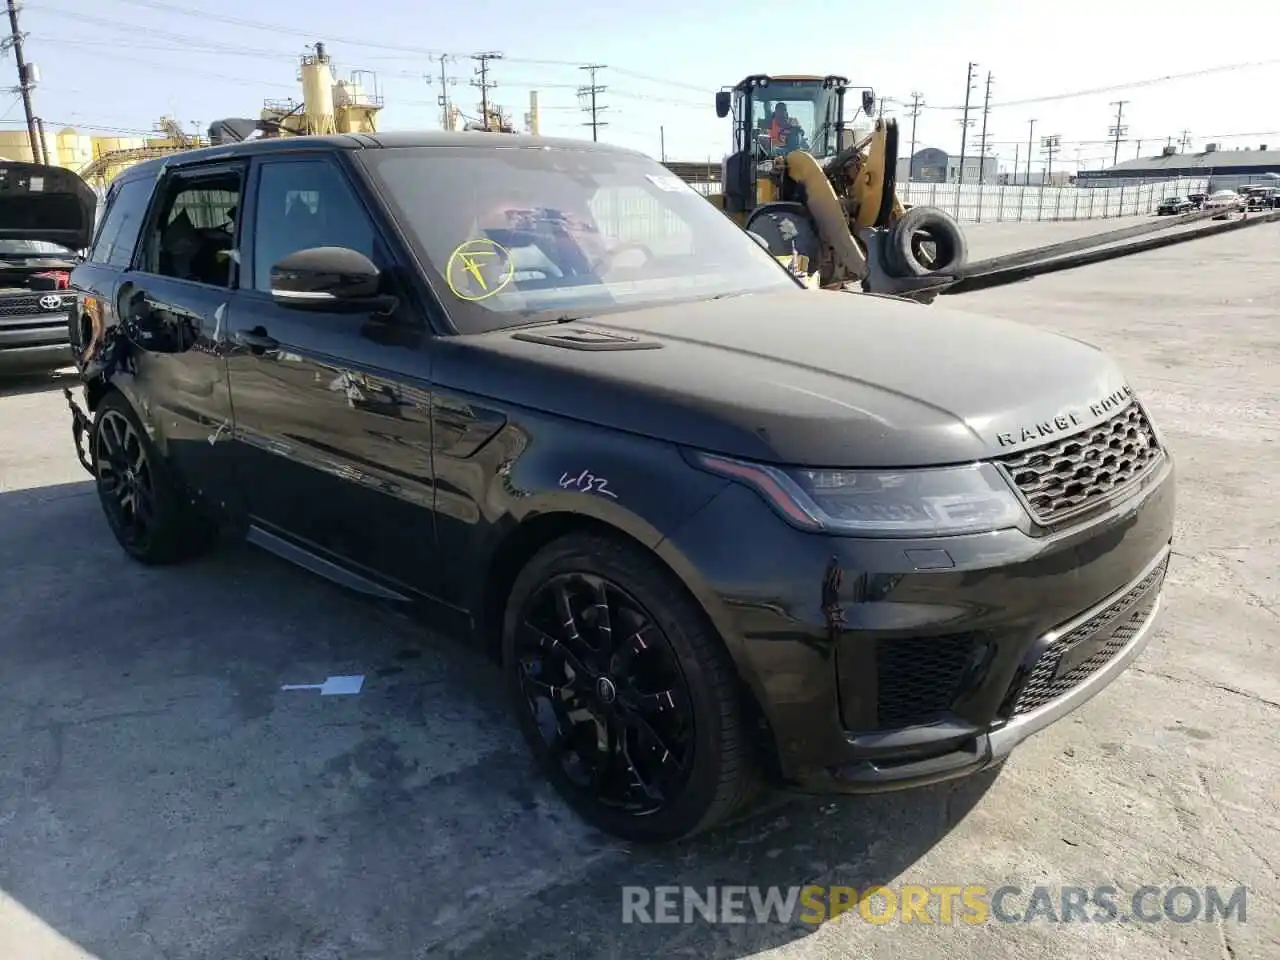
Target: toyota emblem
(50,301)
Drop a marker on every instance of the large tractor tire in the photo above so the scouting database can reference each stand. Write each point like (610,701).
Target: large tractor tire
(925,240)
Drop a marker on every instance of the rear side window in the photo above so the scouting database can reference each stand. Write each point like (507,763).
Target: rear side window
(121,224)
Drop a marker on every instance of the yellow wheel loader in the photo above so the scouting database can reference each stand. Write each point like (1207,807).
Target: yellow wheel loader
(823,199)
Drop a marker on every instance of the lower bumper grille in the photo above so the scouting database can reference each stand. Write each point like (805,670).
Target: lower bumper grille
(920,677)
(1077,654)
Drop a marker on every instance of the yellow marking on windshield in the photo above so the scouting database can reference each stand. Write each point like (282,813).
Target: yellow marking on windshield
(478,269)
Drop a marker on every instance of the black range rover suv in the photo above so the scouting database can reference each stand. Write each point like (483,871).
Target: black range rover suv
(718,528)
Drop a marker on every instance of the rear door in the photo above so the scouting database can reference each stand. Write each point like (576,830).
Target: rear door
(332,411)
(175,301)
(97,278)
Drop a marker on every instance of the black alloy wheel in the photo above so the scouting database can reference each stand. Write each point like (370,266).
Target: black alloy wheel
(628,700)
(606,691)
(126,480)
(146,508)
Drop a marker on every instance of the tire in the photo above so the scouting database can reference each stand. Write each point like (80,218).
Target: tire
(919,225)
(698,751)
(120,447)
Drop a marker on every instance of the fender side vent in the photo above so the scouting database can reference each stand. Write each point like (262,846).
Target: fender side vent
(586,339)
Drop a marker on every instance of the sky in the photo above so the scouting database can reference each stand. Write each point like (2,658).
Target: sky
(118,65)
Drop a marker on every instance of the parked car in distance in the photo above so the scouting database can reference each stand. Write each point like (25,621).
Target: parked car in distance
(718,529)
(1228,201)
(1174,205)
(46,217)
(1197,200)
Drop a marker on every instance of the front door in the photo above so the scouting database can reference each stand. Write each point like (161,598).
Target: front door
(174,302)
(332,411)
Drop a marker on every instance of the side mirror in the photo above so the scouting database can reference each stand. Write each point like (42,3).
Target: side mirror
(333,279)
(868,101)
(722,104)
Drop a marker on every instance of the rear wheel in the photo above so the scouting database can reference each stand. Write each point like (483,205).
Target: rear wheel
(625,694)
(143,502)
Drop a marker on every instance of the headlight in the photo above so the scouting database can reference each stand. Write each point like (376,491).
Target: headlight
(885,503)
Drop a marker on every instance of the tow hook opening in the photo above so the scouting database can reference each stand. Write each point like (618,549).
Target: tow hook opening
(80,425)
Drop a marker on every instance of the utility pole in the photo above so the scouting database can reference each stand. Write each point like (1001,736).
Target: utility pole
(1119,130)
(662,143)
(446,108)
(25,82)
(965,122)
(587,96)
(484,83)
(1185,142)
(1050,147)
(982,152)
(917,101)
(1031,129)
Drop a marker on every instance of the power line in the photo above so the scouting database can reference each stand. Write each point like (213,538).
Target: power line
(1119,130)
(588,96)
(965,122)
(293,30)
(483,81)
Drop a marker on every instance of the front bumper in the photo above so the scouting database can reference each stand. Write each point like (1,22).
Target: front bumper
(995,744)
(886,664)
(36,342)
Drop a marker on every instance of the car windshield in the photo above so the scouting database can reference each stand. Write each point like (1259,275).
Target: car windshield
(33,248)
(520,234)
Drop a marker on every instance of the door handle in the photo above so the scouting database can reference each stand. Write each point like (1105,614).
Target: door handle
(256,339)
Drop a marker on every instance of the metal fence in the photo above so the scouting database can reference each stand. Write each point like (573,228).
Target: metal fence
(977,203)
(974,203)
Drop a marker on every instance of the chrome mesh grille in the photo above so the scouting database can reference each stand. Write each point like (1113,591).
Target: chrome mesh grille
(1067,476)
(1123,617)
(23,305)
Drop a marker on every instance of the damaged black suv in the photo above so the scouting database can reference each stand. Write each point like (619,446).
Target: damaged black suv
(718,528)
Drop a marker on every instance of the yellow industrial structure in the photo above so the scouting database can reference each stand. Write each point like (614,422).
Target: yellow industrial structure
(328,105)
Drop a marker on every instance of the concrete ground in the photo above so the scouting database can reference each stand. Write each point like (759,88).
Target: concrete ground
(161,799)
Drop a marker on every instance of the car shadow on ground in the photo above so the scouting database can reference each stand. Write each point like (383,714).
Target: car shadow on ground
(160,795)
(16,385)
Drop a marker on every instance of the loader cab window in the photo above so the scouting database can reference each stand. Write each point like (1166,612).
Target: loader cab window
(791,115)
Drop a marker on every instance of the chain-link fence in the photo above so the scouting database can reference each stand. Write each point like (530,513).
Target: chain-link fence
(977,203)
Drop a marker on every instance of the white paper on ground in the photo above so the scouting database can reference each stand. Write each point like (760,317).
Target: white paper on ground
(332,687)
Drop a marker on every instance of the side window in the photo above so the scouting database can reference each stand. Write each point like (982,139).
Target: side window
(121,223)
(303,204)
(193,238)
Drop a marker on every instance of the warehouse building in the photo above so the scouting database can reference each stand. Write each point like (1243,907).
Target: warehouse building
(931,165)
(1225,169)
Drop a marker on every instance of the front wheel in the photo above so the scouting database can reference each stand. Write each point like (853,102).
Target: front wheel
(625,694)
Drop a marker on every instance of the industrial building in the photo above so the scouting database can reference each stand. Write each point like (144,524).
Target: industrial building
(931,165)
(1225,169)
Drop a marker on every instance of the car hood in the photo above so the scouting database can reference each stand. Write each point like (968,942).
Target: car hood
(39,202)
(813,377)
